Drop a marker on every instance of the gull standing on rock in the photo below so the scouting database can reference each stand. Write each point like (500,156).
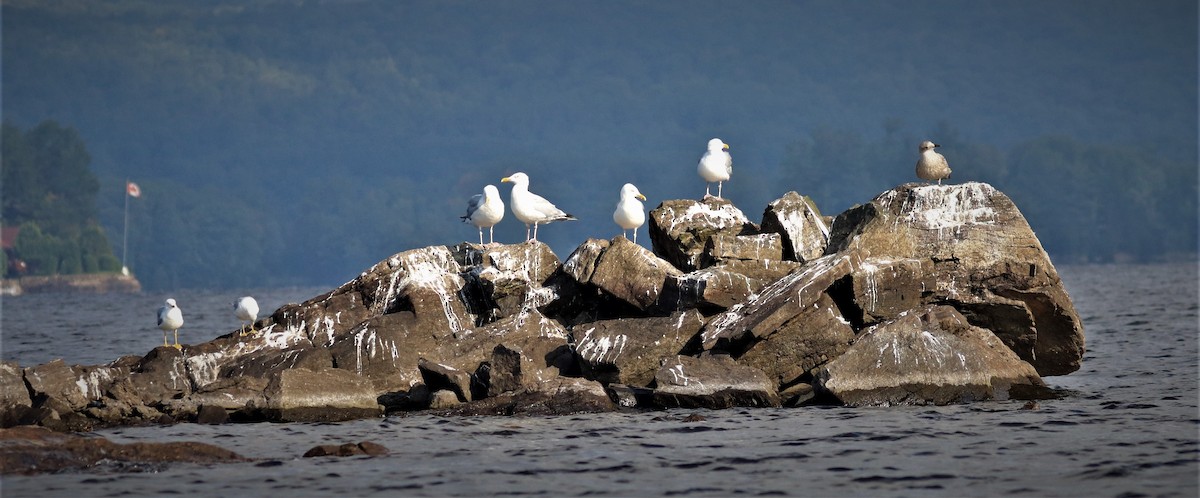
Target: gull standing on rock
(170,318)
(630,213)
(932,166)
(530,208)
(246,309)
(485,210)
(715,165)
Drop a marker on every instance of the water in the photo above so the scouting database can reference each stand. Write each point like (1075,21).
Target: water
(1130,427)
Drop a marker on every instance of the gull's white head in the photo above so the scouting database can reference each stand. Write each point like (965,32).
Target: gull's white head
(171,303)
(716,144)
(491,191)
(927,145)
(517,178)
(629,190)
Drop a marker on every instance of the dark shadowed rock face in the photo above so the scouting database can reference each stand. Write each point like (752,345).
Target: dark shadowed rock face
(930,356)
(985,261)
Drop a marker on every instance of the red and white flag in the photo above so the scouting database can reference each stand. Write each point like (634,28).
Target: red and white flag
(132,189)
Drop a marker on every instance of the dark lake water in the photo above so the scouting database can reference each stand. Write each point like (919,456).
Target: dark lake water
(1130,425)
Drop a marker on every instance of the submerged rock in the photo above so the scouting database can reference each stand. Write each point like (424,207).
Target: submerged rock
(36,450)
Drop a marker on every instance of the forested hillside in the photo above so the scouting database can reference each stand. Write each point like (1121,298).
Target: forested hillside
(287,142)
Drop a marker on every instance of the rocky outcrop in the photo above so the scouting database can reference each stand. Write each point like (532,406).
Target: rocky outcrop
(976,252)
(926,294)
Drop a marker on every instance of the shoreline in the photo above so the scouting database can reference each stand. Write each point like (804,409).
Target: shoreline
(89,283)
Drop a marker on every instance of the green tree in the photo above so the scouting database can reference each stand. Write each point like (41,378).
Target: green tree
(50,192)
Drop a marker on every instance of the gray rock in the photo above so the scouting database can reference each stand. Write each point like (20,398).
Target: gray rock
(929,356)
(779,304)
(333,394)
(985,259)
(725,285)
(209,414)
(14,396)
(513,277)
(553,396)
(621,269)
(813,337)
(630,351)
(803,230)
(76,386)
(505,370)
(884,288)
(443,399)
(723,247)
(680,229)
(712,381)
(441,377)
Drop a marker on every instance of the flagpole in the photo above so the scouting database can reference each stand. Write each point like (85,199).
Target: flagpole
(125,235)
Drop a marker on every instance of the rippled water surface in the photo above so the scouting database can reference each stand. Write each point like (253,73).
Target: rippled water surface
(1129,427)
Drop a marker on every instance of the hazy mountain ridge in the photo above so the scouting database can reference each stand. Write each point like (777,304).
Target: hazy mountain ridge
(271,125)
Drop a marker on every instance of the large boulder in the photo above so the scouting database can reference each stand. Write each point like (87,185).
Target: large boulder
(630,351)
(680,229)
(334,394)
(803,230)
(621,269)
(985,261)
(929,356)
(14,396)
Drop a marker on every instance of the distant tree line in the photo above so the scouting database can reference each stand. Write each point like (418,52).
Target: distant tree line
(50,193)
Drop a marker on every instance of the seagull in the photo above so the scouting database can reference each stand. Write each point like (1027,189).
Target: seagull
(246,309)
(485,210)
(531,208)
(715,165)
(630,213)
(932,166)
(170,318)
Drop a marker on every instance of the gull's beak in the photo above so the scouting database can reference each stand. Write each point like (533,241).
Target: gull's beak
(640,196)
(505,180)
(725,146)
(936,145)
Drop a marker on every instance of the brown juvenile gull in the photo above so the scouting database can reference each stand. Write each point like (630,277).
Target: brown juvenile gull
(932,166)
